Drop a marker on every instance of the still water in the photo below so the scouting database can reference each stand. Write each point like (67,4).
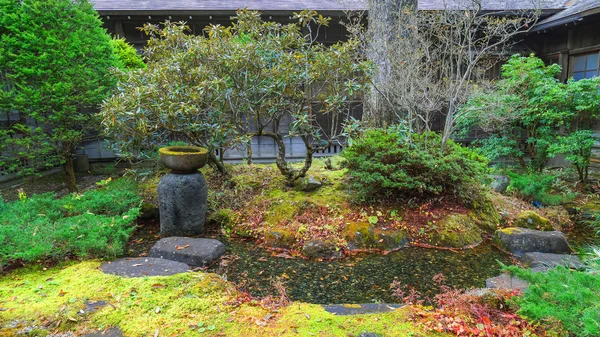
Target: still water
(363,278)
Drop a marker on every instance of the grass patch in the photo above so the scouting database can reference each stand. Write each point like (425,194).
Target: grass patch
(562,295)
(188,304)
(94,224)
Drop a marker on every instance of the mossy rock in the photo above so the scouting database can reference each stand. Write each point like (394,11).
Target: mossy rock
(280,238)
(321,249)
(485,215)
(522,240)
(590,209)
(532,220)
(363,235)
(456,231)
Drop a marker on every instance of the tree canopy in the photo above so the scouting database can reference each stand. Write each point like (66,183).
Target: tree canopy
(55,64)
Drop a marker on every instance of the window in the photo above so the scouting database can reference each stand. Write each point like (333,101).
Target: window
(585,66)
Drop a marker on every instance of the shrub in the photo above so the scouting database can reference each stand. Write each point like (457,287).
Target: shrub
(536,187)
(94,224)
(392,164)
(530,101)
(127,56)
(567,296)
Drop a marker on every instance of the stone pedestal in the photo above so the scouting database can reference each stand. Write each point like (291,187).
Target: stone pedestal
(182,204)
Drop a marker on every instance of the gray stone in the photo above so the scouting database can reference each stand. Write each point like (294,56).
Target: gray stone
(521,240)
(499,183)
(321,249)
(369,334)
(506,281)
(310,183)
(548,260)
(93,306)
(191,251)
(144,266)
(112,332)
(359,309)
(182,204)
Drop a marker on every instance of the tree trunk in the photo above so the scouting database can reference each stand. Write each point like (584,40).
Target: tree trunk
(70,173)
(448,125)
(249,152)
(215,162)
(522,162)
(383,21)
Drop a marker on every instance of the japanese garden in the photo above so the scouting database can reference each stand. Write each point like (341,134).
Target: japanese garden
(314,168)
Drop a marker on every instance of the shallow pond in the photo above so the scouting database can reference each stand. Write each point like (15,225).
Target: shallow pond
(363,278)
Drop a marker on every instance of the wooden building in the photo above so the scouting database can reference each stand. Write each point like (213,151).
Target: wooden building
(568,34)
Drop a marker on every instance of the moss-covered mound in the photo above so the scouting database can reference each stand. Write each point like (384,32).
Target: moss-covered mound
(457,231)
(255,201)
(532,220)
(180,305)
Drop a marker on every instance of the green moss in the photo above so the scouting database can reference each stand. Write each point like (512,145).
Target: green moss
(280,238)
(510,230)
(182,150)
(456,231)
(363,235)
(532,220)
(225,218)
(172,305)
(485,214)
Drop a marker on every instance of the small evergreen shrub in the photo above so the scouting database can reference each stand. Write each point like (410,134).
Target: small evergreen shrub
(562,295)
(390,163)
(94,224)
(537,187)
(127,56)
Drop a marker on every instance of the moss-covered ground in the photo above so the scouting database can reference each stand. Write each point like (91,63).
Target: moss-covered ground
(255,201)
(189,304)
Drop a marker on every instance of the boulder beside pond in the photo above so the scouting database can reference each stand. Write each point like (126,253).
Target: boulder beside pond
(456,231)
(279,238)
(321,249)
(363,235)
(522,240)
(532,220)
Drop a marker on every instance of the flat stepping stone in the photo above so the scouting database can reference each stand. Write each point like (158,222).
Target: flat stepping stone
(549,260)
(359,309)
(506,281)
(144,266)
(197,252)
(93,306)
(521,240)
(112,332)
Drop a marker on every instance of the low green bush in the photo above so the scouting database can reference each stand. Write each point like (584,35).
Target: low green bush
(562,295)
(537,187)
(94,224)
(390,163)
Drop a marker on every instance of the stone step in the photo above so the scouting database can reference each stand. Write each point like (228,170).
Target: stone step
(144,266)
(549,260)
(196,252)
(112,332)
(359,309)
(506,281)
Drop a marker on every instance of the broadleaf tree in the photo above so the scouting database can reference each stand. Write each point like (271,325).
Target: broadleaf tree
(251,79)
(530,114)
(54,63)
